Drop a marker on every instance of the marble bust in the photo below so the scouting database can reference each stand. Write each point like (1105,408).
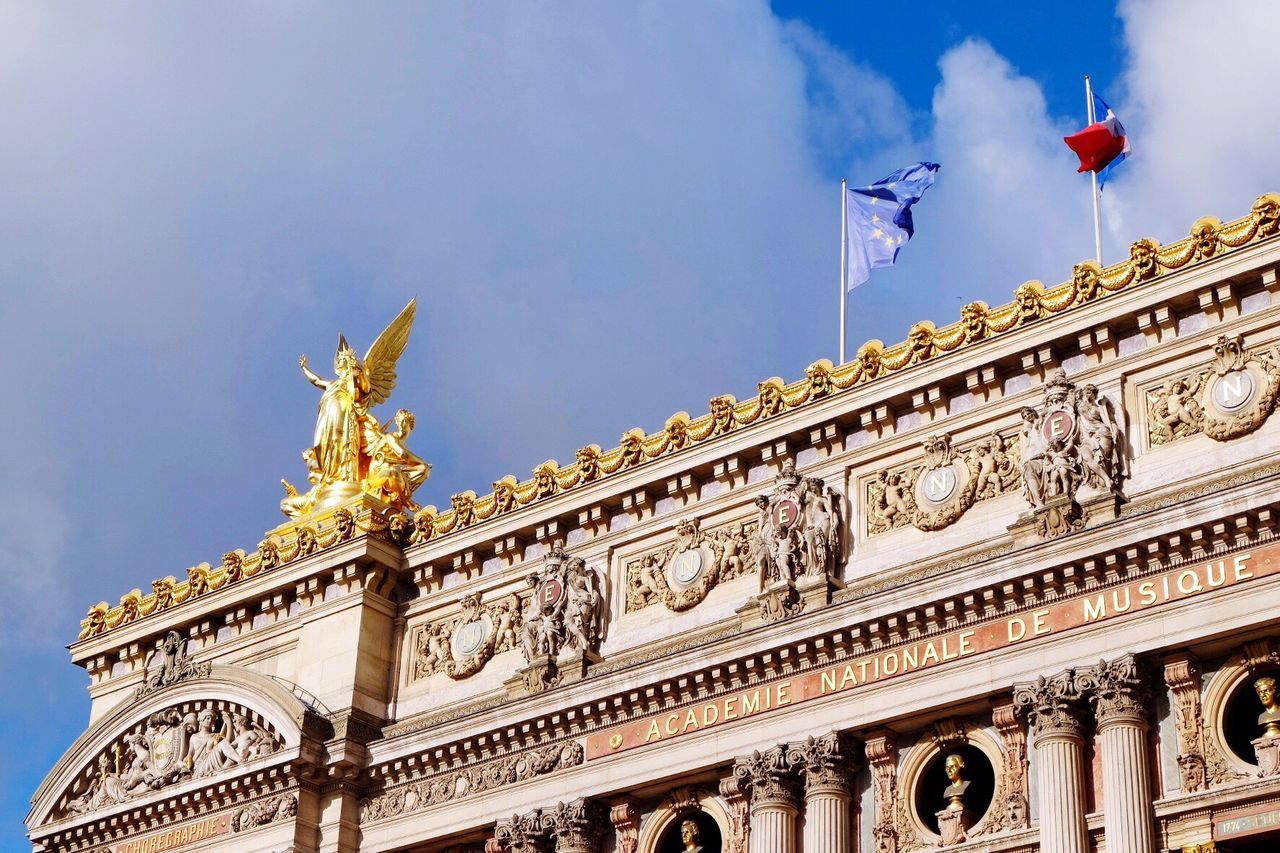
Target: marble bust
(1270,716)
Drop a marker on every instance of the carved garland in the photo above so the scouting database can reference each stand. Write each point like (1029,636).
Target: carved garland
(957,479)
(708,558)
(464,782)
(1032,301)
(1230,398)
(460,647)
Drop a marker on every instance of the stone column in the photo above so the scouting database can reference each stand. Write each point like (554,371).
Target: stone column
(1052,707)
(1120,699)
(826,765)
(775,800)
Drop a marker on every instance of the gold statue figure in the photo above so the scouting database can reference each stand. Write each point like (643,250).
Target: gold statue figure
(351,453)
(1269,719)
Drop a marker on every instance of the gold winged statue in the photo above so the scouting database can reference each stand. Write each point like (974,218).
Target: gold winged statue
(352,453)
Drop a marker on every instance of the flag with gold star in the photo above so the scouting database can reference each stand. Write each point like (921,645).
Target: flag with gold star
(879,219)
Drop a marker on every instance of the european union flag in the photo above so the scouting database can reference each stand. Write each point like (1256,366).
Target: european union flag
(879,219)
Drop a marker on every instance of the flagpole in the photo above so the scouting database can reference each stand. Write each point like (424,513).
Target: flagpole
(1093,176)
(844,261)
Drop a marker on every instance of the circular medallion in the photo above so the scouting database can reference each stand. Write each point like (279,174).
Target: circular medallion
(786,512)
(470,637)
(1058,424)
(686,566)
(549,592)
(938,485)
(1232,391)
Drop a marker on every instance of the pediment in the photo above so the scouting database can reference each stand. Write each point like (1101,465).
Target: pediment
(204,730)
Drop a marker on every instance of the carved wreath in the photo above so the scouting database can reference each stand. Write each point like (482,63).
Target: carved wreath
(729,549)
(453,647)
(1184,405)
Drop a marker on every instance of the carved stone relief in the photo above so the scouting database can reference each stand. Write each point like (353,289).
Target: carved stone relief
(267,811)
(1011,790)
(566,609)
(468,781)
(189,741)
(1230,398)
(738,837)
(892,828)
(936,492)
(462,646)
(175,666)
(1182,675)
(681,575)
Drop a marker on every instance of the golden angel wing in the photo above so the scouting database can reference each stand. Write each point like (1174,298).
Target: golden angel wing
(380,361)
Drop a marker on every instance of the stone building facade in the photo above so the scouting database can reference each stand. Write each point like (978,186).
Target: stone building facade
(1009,585)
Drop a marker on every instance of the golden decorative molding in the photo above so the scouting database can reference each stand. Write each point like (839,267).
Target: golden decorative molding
(1148,260)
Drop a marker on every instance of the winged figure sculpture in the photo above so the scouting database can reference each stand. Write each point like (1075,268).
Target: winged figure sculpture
(352,453)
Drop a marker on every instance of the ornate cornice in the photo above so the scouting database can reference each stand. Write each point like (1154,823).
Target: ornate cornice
(1209,238)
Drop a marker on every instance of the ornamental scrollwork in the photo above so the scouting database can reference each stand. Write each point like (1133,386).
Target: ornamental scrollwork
(472,780)
(460,647)
(171,746)
(175,667)
(1230,398)
(681,575)
(281,807)
(936,492)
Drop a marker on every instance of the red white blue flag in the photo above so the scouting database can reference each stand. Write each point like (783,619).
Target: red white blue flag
(1102,145)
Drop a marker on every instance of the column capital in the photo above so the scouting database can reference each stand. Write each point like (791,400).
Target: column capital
(1117,690)
(521,834)
(826,764)
(578,826)
(1052,706)
(770,779)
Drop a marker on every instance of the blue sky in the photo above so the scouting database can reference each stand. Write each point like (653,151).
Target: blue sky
(609,212)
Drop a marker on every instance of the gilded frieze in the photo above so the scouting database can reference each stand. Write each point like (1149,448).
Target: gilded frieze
(1032,301)
(681,575)
(1230,398)
(189,741)
(469,781)
(461,646)
(937,491)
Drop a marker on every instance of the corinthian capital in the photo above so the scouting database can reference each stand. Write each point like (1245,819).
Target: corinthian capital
(522,834)
(769,778)
(826,763)
(1117,690)
(577,827)
(1052,706)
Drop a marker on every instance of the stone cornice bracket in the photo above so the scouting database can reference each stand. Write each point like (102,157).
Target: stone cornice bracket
(882,757)
(1051,706)
(1117,690)
(738,838)
(826,764)
(1182,675)
(578,826)
(625,817)
(1013,772)
(1260,654)
(770,780)
(520,834)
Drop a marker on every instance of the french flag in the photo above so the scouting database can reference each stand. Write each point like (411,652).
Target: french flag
(1102,145)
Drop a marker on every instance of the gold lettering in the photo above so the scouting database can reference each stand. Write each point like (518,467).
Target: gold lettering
(1222,573)
(966,643)
(1241,572)
(710,715)
(1194,586)
(931,651)
(1095,610)
(1147,590)
(653,732)
(783,699)
(847,677)
(862,670)
(672,721)
(828,680)
(891,657)
(1165,581)
(1115,600)
(910,658)
(1038,624)
(731,708)
(947,652)
(1018,628)
(690,721)
(751,704)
